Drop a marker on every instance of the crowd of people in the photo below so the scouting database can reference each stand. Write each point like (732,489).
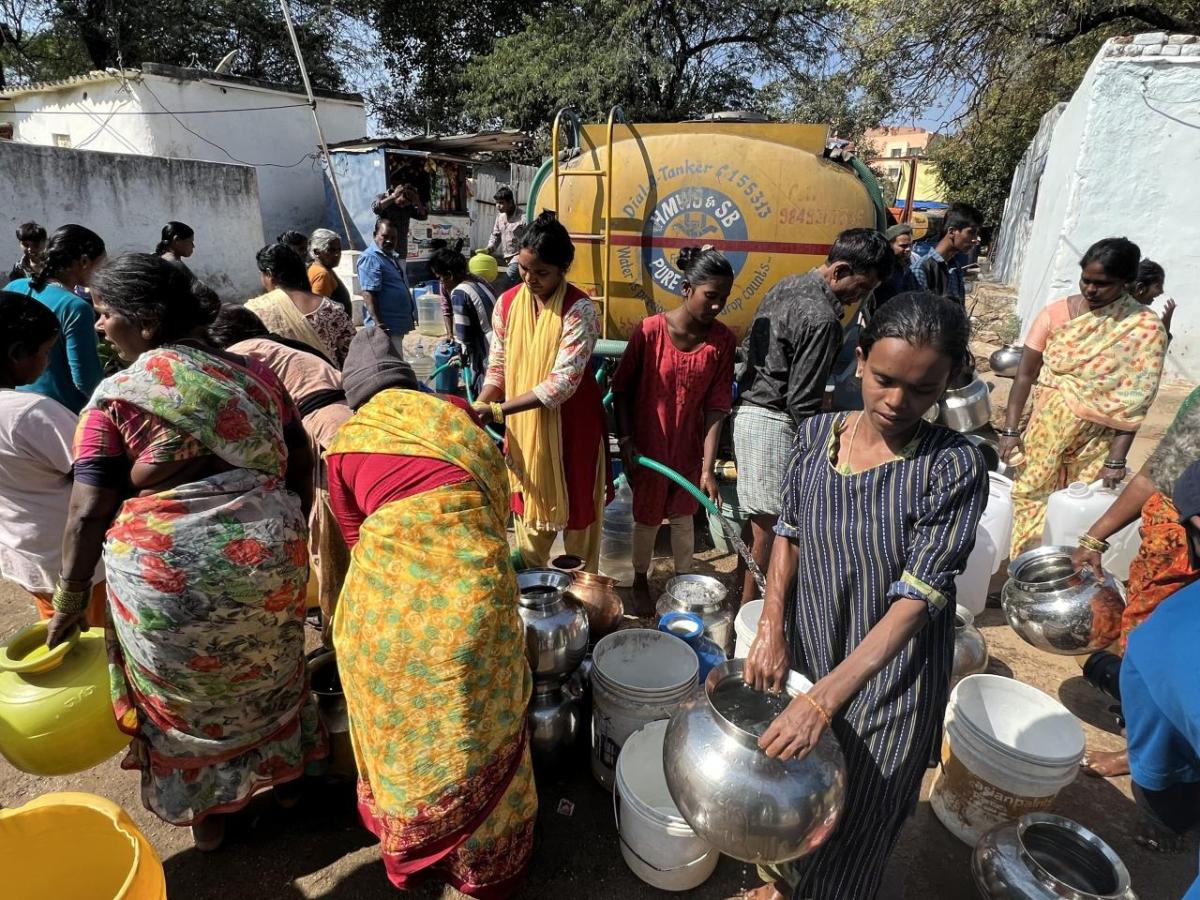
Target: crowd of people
(184,494)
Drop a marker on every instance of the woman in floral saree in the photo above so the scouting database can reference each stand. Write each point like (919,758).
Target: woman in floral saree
(193,476)
(1096,358)
(430,647)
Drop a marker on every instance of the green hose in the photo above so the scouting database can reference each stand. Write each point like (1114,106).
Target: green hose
(867,177)
(468,379)
(608,399)
(655,466)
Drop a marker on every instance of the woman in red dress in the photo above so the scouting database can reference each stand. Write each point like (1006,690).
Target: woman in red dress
(672,390)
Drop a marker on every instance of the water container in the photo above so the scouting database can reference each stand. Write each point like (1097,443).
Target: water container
(429,310)
(616,544)
(690,628)
(1073,510)
(422,363)
(997,518)
(972,585)
(745,626)
(446,381)
(1008,750)
(483,265)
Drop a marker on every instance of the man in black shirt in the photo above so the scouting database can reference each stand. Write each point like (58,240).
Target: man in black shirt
(399,206)
(788,352)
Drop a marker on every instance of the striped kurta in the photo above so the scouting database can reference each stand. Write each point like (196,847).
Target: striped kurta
(902,529)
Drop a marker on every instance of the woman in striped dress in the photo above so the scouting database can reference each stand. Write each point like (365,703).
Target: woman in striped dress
(879,513)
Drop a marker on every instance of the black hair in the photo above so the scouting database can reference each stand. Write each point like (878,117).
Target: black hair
(960,216)
(865,250)
(284,265)
(923,319)
(548,238)
(290,237)
(702,264)
(151,292)
(380,221)
(448,262)
(172,232)
(67,246)
(31,231)
(25,324)
(1118,257)
(235,324)
(504,193)
(1149,272)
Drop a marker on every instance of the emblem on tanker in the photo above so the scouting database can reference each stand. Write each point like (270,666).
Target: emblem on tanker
(690,216)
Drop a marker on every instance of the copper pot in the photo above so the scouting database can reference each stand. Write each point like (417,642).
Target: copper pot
(598,596)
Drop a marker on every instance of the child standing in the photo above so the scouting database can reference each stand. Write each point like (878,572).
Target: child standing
(672,390)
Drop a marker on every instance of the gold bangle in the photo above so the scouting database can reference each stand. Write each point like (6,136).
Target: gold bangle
(1087,542)
(497,412)
(819,708)
(65,601)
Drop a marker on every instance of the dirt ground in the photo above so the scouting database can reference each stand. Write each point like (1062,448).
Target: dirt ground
(319,850)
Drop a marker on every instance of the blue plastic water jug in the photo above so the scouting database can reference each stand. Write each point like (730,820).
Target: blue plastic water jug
(447,380)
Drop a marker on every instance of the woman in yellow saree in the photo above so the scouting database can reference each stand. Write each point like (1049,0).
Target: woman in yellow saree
(1096,358)
(429,644)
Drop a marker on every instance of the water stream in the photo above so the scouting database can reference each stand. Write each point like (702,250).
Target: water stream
(732,535)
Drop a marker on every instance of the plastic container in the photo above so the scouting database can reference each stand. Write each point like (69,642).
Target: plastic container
(56,714)
(483,265)
(616,543)
(422,364)
(429,310)
(1073,510)
(971,587)
(997,517)
(745,626)
(110,859)
(639,676)
(1008,750)
(447,380)
(656,843)
(689,628)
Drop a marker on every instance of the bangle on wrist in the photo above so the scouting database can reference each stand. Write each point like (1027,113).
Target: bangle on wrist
(1009,432)
(497,412)
(820,709)
(1087,542)
(68,601)
(1115,463)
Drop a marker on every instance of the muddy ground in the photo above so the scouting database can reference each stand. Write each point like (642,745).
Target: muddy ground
(319,850)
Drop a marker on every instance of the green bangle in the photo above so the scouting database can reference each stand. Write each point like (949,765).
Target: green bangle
(67,601)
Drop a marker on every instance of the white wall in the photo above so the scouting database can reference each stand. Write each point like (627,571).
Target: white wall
(1125,161)
(281,143)
(126,198)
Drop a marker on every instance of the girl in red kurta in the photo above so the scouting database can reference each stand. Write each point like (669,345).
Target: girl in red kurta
(672,390)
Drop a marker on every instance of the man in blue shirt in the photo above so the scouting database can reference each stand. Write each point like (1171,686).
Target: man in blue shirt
(388,301)
(1160,693)
(938,270)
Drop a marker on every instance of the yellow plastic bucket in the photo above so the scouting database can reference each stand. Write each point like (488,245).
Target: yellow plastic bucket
(109,858)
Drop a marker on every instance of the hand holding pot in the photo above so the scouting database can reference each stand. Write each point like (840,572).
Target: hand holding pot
(63,625)
(795,731)
(1090,558)
(767,663)
(1010,444)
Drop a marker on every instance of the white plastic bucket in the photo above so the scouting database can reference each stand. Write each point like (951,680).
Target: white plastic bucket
(639,675)
(745,626)
(971,586)
(997,517)
(1009,749)
(656,843)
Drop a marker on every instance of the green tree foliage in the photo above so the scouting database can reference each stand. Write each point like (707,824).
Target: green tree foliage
(44,39)
(659,60)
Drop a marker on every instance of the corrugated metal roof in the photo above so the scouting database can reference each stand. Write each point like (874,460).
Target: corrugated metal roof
(448,145)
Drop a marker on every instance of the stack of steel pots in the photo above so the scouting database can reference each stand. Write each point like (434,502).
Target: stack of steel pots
(556,640)
(703,596)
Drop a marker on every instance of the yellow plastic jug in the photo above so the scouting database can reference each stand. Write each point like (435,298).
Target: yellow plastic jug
(80,846)
(55,713)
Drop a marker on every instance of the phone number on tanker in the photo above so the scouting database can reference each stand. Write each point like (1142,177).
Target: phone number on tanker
(747,186)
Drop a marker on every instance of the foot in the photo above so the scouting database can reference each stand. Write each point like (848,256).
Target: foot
(766,892)
(287,795)
(1106,763)
(643,603)
(209,834)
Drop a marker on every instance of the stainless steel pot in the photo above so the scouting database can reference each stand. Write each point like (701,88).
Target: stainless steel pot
(1059,608)
(703,596)
(326,687)
(554,724)
(970,649)
(1006,361)
(738,799)
(966,408)
(1046,857)
(991,453)
(556,627)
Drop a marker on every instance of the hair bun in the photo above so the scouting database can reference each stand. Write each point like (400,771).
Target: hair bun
(546,217)
(208,302)
(687,256)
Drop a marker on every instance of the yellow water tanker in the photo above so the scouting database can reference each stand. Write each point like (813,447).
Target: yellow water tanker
(761,193)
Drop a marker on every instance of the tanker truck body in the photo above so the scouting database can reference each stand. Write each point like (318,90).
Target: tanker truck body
(763,194)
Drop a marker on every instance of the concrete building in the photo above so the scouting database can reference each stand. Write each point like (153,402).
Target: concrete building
(1121,161)
(897,142)
(178,113)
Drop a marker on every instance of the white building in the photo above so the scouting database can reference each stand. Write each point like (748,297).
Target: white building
(172,112)
(1123,159)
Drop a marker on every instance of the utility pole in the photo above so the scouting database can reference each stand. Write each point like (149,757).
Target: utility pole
(312,103)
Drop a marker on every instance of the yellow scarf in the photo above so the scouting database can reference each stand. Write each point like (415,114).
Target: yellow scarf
(279,314)
(535,437)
